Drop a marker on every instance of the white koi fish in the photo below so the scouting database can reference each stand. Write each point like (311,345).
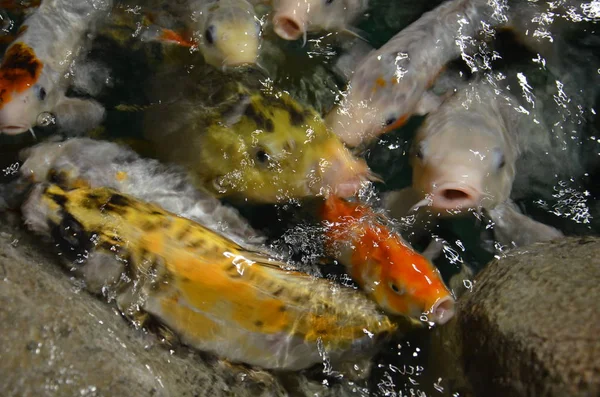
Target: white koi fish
(227,32)
(36,69)
(464,157)
(292,19)
(390,84)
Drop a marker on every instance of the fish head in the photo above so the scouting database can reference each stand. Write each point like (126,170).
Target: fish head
(292,19)
(276,150)
(26,93)
(381,97)
(462,162)
(411,285)
(400,280)
(230,34)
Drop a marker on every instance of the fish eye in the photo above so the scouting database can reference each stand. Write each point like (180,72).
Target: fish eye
(261,156)
(209,34)
(389,121)
(396,289)
(500,159)
(419,151)
(42,93)
(502,163)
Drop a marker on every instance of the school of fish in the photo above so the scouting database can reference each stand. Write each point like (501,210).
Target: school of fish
(155,222)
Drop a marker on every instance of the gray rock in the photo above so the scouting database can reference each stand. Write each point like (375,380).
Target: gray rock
(58,340)
(530,325)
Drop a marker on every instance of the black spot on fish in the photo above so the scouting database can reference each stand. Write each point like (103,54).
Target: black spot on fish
(269,126)
(58,199)
(148,226)
(184,233)
(259,119)
(282,309)
(93,197)
(119,200)
(278,292)
(258,323)
(58,178)
(296,118)
(70,236)
(195,244)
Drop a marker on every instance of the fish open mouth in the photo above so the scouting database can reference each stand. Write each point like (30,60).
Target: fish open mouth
(455,196)
(13,129)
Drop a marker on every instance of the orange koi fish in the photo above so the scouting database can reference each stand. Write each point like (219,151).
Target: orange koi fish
(400,280)
(34,68)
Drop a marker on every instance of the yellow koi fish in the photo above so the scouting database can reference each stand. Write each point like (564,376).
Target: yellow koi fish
(214,294)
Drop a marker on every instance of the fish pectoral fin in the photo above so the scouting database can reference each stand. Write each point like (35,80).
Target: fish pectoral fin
(514,229)
(428,103)
(168,36)
(76,116)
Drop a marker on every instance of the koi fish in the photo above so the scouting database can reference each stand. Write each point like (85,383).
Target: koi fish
(264,147)
(464,157)
(400,280)
(227,32)
(34,73)
(215,295)
(292,19)
(85,162)
(391,83)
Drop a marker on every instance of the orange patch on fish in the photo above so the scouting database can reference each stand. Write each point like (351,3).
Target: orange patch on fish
(379,83)
(120,176)
(397,124)
(398,278)
(19,71)
(171,36)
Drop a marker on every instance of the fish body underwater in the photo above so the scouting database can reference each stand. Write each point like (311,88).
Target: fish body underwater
(399,279)
(93,163)
(35,69)
(264,147)
(227,32)
(464,158)
(391,83)
(292,19)
(214,294)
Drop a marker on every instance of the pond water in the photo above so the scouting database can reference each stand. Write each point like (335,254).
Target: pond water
(566,95)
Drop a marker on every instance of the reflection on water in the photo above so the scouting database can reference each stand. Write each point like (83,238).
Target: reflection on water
(544,56)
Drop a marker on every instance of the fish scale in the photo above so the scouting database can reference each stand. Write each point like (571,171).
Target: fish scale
(260,314)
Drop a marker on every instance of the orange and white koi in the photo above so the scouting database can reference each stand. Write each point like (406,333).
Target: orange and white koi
(399,279)
(34,73)
(391,83)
